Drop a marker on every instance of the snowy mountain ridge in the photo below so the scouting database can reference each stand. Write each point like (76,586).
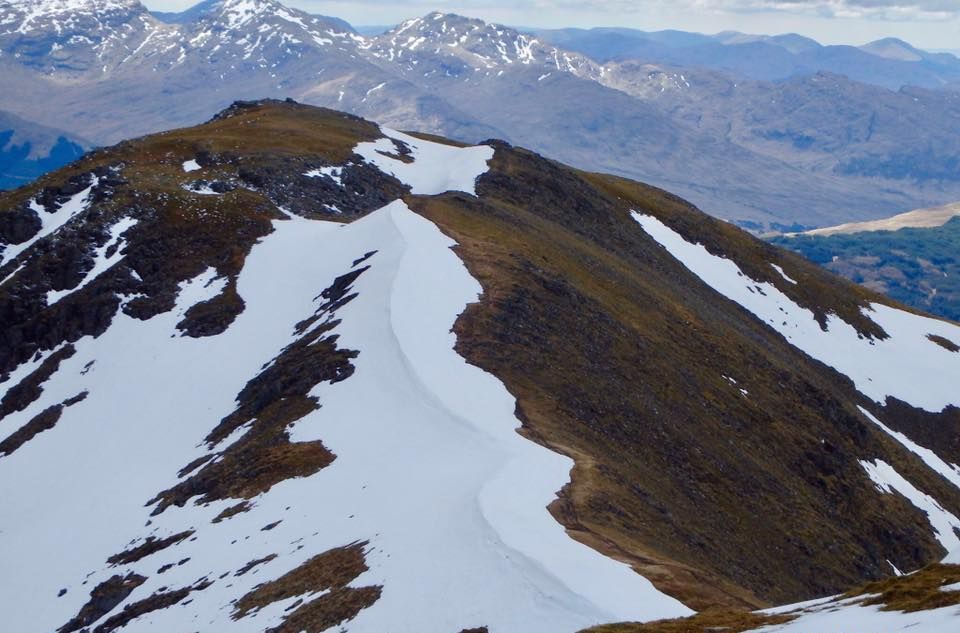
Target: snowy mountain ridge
(290,370)
(407,250)
(475,45)
(260,30)
(124,37)
(73,36)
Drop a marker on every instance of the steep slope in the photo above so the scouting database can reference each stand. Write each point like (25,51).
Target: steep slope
(229,369)
(28,151)
(927,601)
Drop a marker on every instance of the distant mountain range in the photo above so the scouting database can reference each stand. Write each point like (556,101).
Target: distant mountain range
(890,62)
(807,151)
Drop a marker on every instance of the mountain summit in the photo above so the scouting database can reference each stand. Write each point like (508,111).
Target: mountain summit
(451,45)
(72,36)
(291,370)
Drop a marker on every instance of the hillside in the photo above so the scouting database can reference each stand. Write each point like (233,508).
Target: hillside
(917,265)
(290,369)
(888,63)
(27,150)
(919,219)
(925,602)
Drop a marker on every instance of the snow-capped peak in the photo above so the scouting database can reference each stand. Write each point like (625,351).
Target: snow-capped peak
(480,46)
(239,13)
(102,36)
(28,15)
(73,35)
(256,25)
(41,7)
(492,42)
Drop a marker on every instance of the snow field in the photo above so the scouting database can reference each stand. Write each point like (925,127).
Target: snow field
(437,168)
(907,365)
(429,471)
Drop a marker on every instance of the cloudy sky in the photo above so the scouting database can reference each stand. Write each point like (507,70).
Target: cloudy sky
(933,24)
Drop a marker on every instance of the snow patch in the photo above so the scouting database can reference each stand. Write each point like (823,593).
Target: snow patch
(436,168)
(201,188)
(889,481)
(845,616)
(907,365)
(203,287)
(51,222)
(102,262)
(191,165)
(783,274)
(334,173)
(950,472)
(13,274)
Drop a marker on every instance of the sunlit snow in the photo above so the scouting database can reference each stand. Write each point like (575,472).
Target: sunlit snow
(846,616)
(907,365)
(51,221)
(949,471)
(436,168)
(335,173)
(783,274)
(889,480)
(430,469)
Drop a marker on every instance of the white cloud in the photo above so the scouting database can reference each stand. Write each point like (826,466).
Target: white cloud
(871,9)
(856,9)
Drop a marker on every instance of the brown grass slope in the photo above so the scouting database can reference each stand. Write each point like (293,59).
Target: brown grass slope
(617,356)
(615,352)
(920,591)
